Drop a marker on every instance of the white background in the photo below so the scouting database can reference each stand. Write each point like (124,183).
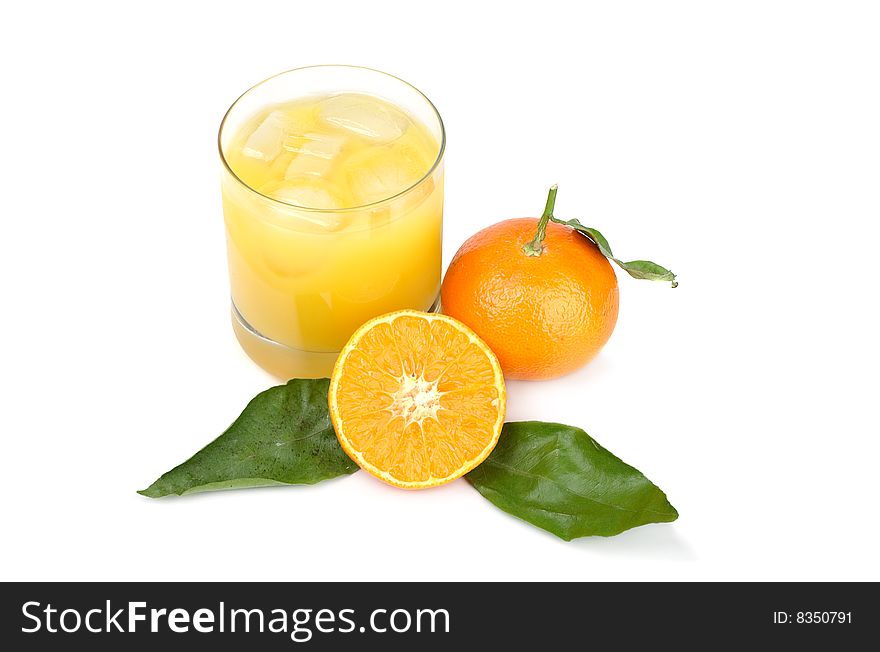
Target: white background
(736,142)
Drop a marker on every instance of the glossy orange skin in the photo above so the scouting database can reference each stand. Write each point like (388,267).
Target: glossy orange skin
(543,316)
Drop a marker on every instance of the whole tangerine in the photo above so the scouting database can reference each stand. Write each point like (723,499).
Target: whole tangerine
(545,304)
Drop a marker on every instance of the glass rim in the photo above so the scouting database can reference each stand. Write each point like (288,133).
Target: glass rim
(361,207)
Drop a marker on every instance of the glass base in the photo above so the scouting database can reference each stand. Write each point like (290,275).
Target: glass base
(282,361)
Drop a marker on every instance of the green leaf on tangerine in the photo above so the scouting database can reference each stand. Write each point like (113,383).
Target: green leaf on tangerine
(641,269)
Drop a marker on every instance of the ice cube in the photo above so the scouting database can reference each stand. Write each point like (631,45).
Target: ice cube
(314,154)
(364,116)
(300,192)
(266,141)
(308,192)
(385,172)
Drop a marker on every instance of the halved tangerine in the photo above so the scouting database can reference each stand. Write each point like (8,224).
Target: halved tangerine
(417,399)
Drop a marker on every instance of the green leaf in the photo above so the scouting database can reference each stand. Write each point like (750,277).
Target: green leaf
(591,233)
(642,269)
(284,436)
(559,478)
(645,269)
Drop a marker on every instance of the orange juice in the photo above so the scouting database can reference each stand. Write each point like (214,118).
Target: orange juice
(333,206)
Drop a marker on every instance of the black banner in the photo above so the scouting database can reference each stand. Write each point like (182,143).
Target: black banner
(332,616)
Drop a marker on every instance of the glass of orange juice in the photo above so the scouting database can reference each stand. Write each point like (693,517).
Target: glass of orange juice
(333,202)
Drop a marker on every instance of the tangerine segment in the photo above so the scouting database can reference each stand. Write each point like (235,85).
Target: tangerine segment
(417,399)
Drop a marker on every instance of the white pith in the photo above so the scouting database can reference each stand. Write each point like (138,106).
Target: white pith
(416,400)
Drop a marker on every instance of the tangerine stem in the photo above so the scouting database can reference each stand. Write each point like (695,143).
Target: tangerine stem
(536,246)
